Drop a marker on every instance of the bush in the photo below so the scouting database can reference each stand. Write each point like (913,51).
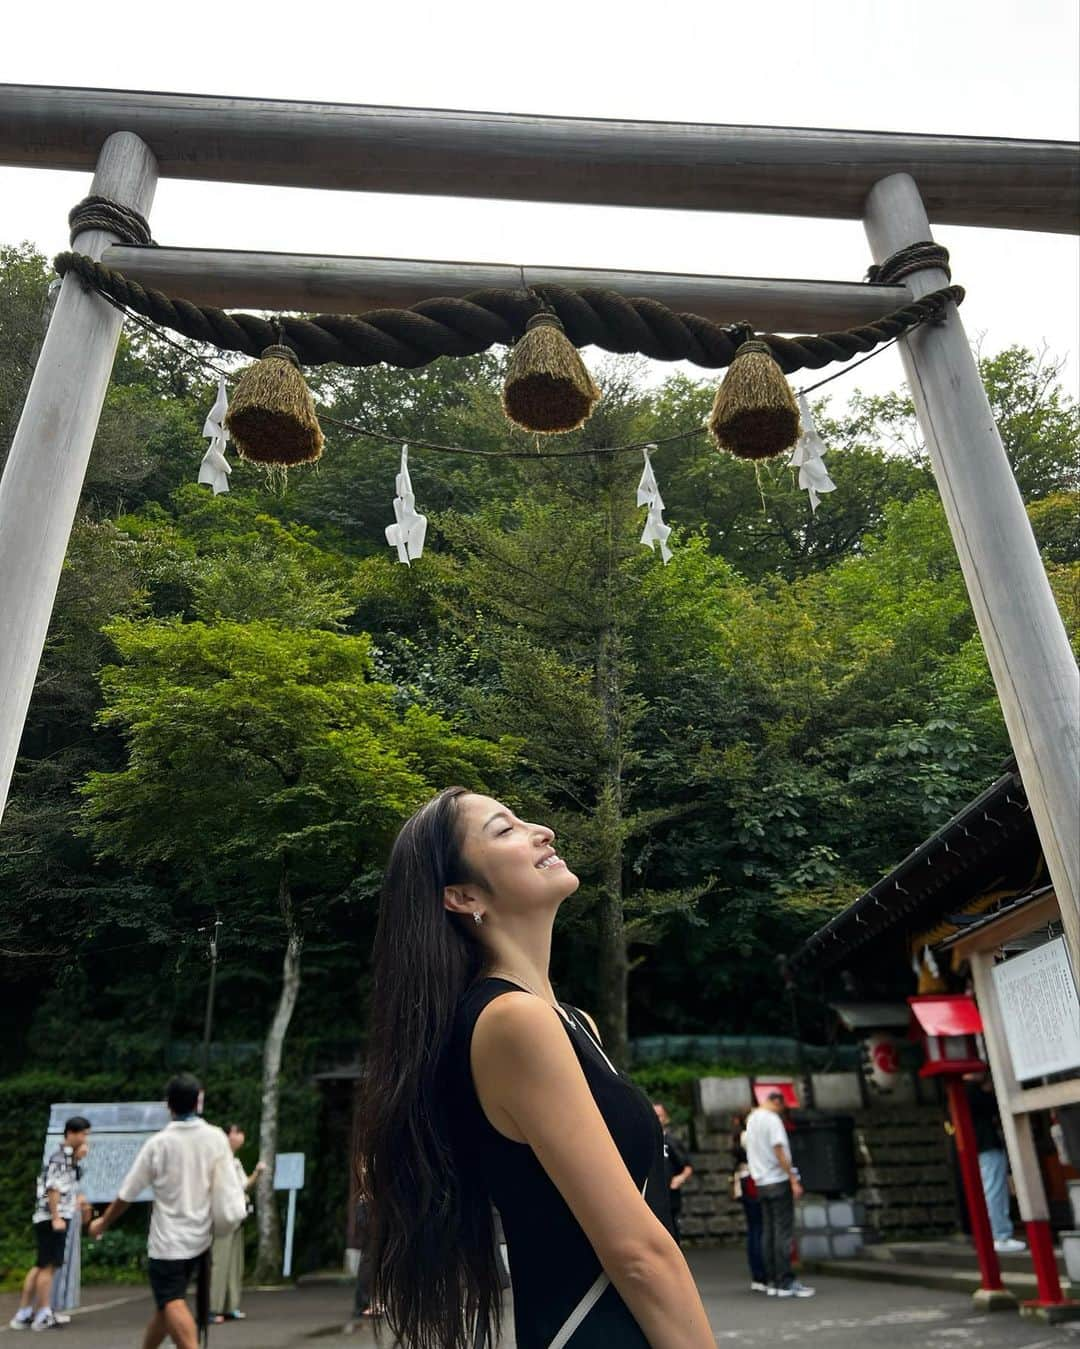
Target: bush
(119,1257)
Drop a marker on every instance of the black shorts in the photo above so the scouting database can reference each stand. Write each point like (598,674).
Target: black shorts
(169,1279)
(50,1244)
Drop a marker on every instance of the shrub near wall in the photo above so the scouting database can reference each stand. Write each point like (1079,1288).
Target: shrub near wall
(24,1115)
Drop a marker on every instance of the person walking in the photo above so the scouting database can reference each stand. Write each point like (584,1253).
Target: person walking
(54,1208)
(482,1087)
(677,1166)
(67,1285)
(227,1252)
(768,1154)
(183,1165)
(993,1162)
(745,1191)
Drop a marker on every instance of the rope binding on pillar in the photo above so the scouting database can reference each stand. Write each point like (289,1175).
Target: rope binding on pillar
(102,213)
(548,388)
(908,260)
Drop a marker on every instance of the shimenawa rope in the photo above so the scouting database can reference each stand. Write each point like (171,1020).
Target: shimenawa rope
(448,326)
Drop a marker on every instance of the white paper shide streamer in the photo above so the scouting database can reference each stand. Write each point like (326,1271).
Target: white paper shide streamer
(807,458)
(648,494)
(407,532)
(215,468)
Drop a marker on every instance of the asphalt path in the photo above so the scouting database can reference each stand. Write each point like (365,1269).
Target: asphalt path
(845,1314)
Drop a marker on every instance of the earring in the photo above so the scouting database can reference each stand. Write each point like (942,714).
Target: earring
(478,917)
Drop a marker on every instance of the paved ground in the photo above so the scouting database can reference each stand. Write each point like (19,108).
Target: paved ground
(846,1314)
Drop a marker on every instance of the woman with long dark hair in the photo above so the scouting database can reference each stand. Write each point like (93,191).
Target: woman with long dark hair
(482,1088)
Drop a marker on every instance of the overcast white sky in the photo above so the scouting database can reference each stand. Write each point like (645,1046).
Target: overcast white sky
(973,67)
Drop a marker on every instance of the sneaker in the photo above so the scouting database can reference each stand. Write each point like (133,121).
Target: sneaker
(1010,1246)
(771,1290)
(46,1322)
(756,1287)
(18,1322)
(796,1289)
(62,1318)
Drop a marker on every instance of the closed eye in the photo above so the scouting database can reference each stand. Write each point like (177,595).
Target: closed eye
(508,830)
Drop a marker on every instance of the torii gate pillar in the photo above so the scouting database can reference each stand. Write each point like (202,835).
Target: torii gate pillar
(1032,663)
(43,478)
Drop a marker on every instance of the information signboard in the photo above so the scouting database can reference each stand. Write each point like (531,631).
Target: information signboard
(1039,1006)
(289,1171)
(118,1130)
(289,1175)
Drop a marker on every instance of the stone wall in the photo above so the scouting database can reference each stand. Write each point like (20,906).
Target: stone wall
(904,1172)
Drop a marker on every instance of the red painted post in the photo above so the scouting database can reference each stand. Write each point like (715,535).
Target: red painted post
(1042,1257)
(968,1154)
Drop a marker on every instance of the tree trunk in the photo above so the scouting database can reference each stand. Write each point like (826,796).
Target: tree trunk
(612,965)
(612,962)
(268,1259)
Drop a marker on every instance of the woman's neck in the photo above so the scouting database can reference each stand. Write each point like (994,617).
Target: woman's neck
(524,952)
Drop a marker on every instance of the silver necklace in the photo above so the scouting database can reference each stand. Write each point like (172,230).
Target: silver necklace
(516,979)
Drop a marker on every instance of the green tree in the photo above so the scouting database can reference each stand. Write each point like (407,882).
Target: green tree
(265,766)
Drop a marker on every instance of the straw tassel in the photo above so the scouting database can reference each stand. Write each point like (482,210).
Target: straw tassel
(754,414)
(272,416)
(547,387)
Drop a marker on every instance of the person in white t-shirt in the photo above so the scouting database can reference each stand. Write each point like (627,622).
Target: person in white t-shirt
(178,1165)
(768,1155)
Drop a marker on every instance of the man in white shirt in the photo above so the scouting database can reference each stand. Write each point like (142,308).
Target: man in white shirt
(178,1165)
(768,1155)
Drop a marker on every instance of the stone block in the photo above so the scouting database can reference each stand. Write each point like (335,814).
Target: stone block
(1070,1249)
(814,1246)
(837,1091)
(813,1214)
(718,1098)
(847,1245)
(698,1204)
(845,1213)
(709,1141)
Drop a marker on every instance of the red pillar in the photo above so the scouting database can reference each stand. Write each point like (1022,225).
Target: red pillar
(1042,1257)
(968,1153)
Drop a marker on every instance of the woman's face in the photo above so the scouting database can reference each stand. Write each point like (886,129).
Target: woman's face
(516,860)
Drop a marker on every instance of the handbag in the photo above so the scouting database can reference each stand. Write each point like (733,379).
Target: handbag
(228,1202)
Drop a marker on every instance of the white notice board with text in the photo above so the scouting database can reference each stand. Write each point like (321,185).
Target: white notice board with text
(1037,995)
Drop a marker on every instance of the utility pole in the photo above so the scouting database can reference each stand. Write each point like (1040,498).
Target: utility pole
(208,1024)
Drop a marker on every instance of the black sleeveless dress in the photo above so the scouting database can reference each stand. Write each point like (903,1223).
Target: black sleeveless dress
(562,1297)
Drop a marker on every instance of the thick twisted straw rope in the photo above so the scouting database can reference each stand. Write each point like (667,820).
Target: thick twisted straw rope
(409,338)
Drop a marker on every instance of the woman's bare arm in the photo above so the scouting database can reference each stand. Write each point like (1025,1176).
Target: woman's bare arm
(532,1088)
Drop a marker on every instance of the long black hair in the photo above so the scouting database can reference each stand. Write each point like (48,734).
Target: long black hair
(432,1239)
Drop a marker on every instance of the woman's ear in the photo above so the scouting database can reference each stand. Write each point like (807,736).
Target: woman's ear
(455,900)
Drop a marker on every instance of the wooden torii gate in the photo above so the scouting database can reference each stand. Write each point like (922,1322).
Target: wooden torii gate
(892,182)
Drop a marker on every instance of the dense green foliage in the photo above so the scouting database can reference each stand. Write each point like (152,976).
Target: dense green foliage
(731,747)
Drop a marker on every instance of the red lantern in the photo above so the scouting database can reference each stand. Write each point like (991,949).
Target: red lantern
(951,1033)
